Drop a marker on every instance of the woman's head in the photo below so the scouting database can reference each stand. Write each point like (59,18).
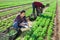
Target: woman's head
(22,13)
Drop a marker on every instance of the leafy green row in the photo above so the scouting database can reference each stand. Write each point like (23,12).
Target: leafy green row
(50,31)
(13,11)
(4,24)
(37,30)
(10,3)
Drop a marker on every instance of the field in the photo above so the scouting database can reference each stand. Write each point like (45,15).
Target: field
(10,3)
(43,27)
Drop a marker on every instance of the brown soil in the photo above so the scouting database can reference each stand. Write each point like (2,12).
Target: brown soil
(57,23)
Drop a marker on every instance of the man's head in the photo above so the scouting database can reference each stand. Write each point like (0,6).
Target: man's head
(22,13)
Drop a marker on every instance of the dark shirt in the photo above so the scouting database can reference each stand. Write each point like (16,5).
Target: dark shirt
(20,20)
(38,4)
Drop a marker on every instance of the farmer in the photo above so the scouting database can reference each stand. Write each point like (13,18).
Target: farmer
(39,8)
(21,22)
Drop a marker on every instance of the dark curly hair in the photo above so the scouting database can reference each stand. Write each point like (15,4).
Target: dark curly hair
(23,11)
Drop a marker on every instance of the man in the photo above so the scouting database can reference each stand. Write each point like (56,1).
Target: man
(39,8)
(20,23)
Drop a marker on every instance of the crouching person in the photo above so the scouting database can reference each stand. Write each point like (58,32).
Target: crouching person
(20,23)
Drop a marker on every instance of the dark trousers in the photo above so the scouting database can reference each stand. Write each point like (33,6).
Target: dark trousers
(19,32)
(17,28)
(38,10)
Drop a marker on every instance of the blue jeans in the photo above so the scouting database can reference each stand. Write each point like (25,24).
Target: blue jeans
(16,26)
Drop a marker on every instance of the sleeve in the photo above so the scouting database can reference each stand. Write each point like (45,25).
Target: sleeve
(16,19)
(25,19)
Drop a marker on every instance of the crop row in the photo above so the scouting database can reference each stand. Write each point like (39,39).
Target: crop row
(10,3)
(13,11)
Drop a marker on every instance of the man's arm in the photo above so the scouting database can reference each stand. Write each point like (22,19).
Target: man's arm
(43,6)
(21,24)
(16,19)
(40,4)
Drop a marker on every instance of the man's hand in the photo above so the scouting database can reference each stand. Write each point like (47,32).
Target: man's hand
(21,24)
(25,29)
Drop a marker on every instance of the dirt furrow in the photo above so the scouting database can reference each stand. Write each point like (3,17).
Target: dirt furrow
(57,22)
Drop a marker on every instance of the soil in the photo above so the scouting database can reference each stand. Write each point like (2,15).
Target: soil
(57,23)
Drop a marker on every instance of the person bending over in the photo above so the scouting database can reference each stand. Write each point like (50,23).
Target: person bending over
(38,6)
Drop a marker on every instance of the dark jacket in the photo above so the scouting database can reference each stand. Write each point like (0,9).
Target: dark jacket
(20,20)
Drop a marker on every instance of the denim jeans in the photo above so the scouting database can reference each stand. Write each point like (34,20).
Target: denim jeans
(16,26)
